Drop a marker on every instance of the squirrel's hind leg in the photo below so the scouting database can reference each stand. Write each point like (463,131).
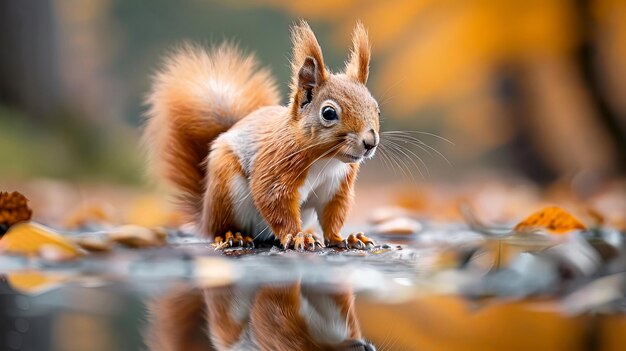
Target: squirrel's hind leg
(218,215)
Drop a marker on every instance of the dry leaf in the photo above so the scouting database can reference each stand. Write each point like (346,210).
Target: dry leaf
(28,238)
(54,253)
(137,237)
(13,209)
(554,219)
(32,282)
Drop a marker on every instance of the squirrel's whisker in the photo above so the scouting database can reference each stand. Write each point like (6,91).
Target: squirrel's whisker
(384,97)
(385,158)
(322,155)
(303,149)
(396,159)
(408,137)
(418,132)
(400,147)
(385,153)
(409,141)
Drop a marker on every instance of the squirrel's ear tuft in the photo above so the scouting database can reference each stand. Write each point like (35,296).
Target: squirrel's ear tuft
(357,66)
(307,63)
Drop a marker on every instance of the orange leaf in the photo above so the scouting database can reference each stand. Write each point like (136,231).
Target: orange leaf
(554,219)
(32,282)
(28,238)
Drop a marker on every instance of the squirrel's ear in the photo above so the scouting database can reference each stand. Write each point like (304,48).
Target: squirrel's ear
(307,76)
(307,63)
(358,65)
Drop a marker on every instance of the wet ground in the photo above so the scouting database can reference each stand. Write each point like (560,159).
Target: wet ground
(446,280)
(447,287)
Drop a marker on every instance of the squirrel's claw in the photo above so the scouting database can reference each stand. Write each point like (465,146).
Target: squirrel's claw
(359,241)
(230,240)
(369,243)
(354,243)
(306,241)
(248,242)
(338,242)
(286,241)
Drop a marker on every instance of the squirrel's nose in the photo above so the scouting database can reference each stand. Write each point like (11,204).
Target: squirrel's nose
(370,140)
(368,146)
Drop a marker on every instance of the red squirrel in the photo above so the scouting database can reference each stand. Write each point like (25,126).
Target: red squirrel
(272,317)
(241,163)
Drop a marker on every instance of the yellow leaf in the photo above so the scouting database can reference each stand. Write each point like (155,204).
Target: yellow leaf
(554,219)
(32,281)
(28,238)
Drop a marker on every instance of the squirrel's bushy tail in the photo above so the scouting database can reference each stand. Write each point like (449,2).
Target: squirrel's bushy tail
(197,95)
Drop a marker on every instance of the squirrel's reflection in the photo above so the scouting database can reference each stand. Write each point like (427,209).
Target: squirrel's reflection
(261,317)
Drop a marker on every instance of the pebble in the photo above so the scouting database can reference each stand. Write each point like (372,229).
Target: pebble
(385,214)
(398,226)
(94,244)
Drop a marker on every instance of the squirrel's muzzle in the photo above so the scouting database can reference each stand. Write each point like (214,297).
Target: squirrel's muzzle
(370,141)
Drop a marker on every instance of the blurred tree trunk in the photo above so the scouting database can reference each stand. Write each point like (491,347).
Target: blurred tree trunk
(515,98)
(29,77)
(586,56)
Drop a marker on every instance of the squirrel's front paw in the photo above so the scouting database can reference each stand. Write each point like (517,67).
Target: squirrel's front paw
(301,241)
(354,241)
(230,240)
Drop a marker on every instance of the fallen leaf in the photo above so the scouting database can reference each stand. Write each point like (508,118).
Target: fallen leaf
(136,236)
(54,253)
(554,219)
(13,209)
(28,238)
(32,282)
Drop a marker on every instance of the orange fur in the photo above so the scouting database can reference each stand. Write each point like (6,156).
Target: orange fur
(357,65)
(305,45)
(177,322)
(266,317)
(217,217)
(211,122)
(224,330)
(196,96)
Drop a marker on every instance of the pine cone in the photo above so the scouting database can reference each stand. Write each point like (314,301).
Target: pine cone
(13,208)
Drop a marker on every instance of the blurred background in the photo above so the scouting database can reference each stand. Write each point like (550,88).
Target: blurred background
(529,88)
(531,92)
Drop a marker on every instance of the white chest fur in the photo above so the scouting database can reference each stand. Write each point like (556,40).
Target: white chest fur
(322,182)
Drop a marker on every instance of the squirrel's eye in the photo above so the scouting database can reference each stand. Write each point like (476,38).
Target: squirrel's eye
(329,113)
